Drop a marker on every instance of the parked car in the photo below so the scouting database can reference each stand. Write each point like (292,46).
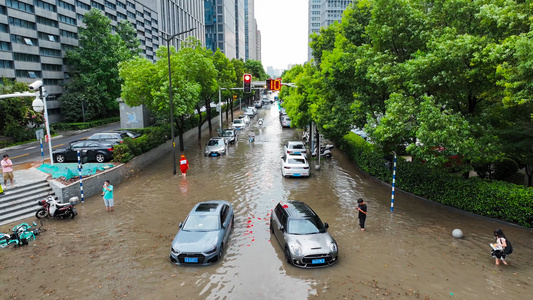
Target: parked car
(238,124)
(229,134)
(204,234)
(245,118)
(258,104)
(89,150)
(302,235)
(216,146)
(265,100)
(294,165)
(285,121)
(110,136)
(130,134)
(295,147)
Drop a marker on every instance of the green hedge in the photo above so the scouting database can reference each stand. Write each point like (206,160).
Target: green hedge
(83,125)
(495,199)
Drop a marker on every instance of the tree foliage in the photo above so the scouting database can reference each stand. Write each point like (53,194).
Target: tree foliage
(420,76)
(94,68)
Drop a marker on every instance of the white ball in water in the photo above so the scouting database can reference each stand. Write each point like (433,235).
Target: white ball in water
(457,233)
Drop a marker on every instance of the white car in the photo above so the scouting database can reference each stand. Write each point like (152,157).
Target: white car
(294,165)
(295,147)
(245,118)
(285,121)
(238,124)
(250,112)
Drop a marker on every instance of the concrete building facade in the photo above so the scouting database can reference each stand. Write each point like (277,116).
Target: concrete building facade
(224,23)
(35,34)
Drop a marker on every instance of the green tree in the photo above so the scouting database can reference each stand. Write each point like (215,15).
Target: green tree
(128,34)
(94,70)
(226,76)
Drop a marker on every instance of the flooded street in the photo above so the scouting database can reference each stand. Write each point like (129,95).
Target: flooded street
(408,254)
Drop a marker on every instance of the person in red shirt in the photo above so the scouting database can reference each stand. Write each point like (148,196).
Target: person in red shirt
(184,166)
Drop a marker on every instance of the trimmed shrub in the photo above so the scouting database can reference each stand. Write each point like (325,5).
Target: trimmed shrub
(496,199)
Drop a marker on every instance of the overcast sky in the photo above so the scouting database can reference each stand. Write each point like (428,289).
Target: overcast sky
(283,26)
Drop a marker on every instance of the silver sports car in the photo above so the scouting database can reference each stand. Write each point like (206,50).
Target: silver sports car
(302,236)
(204,234)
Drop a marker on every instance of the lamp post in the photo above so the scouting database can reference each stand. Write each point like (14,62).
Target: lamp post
(170,37)
(38,106)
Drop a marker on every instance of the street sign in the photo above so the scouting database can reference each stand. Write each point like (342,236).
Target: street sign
(39,134)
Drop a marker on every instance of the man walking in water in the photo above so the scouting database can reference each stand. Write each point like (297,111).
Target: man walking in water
(184,166)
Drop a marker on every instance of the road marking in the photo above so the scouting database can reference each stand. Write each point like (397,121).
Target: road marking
(20,156)
(57,146)
(29,148)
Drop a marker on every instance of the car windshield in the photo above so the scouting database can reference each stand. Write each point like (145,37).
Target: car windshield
(227,133)
(297,146)
(212,143)
(201,223)
(305,226)
(237,121)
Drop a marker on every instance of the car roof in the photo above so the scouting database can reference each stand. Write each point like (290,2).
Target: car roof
(295,143)
(209,207)
(298,209)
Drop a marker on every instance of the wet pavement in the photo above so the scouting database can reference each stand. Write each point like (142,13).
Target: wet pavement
(408,254)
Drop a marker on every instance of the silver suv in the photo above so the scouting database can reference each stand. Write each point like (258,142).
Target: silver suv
(216,146)
(302,235)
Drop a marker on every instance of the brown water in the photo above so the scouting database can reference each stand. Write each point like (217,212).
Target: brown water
(408,254)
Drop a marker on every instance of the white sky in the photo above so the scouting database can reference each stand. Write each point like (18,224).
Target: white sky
(283,26)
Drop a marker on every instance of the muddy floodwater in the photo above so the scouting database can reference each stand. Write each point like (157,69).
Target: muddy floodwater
(407,254)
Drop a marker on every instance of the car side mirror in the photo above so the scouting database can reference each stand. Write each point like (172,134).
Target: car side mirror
(326,225)
(180,225)
(281,228)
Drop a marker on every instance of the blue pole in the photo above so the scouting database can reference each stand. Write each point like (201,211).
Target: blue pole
(393,181)
(42,151)
(81,181)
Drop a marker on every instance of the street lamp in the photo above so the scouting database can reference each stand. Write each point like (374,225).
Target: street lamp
(170,37)
(40,105)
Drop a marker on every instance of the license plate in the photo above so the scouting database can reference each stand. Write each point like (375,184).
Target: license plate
(297,174)
(318,261)
(214,154)
(191,259)
(296,152)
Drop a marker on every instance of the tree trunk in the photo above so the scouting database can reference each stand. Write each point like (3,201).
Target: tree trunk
(208,114)
(529,174)
(227,111)
(231,110)
(200,121)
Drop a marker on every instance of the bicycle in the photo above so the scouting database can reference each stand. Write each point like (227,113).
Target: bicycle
(21,235)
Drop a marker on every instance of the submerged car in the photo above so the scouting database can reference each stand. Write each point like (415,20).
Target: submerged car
(238,124)
(295,147)
(250,112)
(89,151)
(216,146)
(245,118)
(285,121)
(302,235)
(294,165)
(229,134)
(204,234)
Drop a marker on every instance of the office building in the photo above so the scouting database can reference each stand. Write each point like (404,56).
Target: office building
(35,34)
(323,13)
(224,26)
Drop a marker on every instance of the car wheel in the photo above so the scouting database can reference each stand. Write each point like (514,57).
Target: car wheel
(100,158)
(60,158)
(288,255)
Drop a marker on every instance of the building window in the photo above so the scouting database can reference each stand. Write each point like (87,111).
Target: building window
(17,39)
(131,4)
(110,16)
(26,57)
(83,5)
(67,20)
(110,5)
(68,34)
(79,17)
(5,46)
(48,37)
(49,52)
(45,5)
(21,23)
(131,15)
(46,22)
(20,6)
(52,82)
(121,16)
(121,5)
(140,14)
(6,64)
(97,5)
(2,10)
(50,67)
(66,5)
(3,28)
(28,74)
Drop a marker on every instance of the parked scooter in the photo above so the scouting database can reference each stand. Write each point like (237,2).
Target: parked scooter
(325,151)
(251,137)
(260,122)
(53,209)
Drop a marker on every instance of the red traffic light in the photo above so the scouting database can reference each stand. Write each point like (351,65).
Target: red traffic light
(247,83)
(247,77)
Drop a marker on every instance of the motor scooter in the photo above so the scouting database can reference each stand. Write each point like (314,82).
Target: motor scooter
(53,209)
(325,151)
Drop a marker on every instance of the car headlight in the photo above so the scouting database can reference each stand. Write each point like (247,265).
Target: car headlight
(211,250)
(297,250)
(333,247)
(174,251)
